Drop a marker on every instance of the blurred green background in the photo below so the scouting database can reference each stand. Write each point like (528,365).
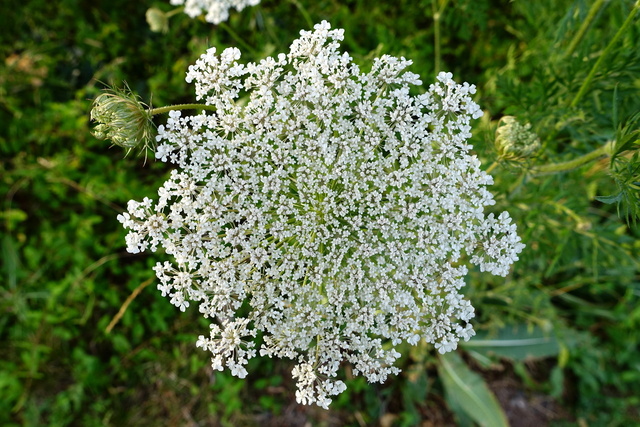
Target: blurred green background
(87,340)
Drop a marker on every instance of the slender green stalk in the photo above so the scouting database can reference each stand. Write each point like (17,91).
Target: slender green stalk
(554,168)
(436,35)
(174,11)
(437,14)
(237,38)
(492,167)
(162,110)
(607,50)
(591,16)
(303,12)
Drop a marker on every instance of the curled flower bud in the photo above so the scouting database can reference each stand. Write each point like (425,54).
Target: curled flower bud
(123,119)
(515,141)
(158,20)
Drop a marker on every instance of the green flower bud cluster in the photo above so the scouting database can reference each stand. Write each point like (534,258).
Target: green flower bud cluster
(123,119)
(514,141)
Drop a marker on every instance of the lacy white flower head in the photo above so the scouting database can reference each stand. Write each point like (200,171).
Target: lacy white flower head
(217,11)
(324,207)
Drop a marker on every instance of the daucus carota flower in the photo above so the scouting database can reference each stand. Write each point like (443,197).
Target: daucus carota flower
(324,207)
(216,11)
(122,118)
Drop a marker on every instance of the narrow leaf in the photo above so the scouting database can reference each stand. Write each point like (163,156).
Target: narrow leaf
(468,392)
(515,343)
(609,200)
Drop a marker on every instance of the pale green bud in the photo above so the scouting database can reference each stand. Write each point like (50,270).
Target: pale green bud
(158,20)
(515,141)
(123,119)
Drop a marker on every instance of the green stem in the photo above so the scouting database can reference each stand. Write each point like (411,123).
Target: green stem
(174,11)
(554,168)
(492,167)
(162,110)
(437,13)
(303,12)
(591,16)
(607,50)
(238,39)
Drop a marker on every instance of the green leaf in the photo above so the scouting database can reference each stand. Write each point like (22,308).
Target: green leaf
(609,200)
(467,391)
(628,136)
(515,343)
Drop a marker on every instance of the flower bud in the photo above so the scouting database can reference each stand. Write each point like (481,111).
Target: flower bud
(158,20)
(514,141)
(123,119)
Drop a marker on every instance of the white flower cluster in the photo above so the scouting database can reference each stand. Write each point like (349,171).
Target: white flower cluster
(326,208)
(217,11)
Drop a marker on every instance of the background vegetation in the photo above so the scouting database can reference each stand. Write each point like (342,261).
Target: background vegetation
(86,339)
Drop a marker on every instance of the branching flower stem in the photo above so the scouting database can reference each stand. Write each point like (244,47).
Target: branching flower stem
(554,168)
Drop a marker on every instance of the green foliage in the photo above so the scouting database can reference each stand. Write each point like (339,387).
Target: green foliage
(515,342)
(468,394)
(65,273)
(625,170)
